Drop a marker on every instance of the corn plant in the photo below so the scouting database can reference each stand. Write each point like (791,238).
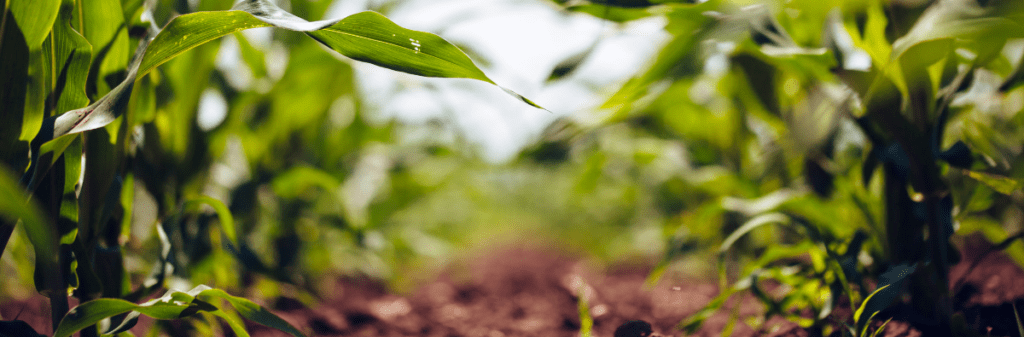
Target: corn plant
(869,131)
(90,110)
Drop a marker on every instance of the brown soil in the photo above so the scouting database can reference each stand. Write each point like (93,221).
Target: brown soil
(530,292)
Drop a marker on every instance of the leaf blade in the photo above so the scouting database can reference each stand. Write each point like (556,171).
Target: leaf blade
(191,30)
(35,18)
(373,38)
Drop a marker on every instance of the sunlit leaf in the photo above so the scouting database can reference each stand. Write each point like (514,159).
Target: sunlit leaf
(34,18)
(103,25)
(71,56)
(104,110)
(190,30)
(1001,184)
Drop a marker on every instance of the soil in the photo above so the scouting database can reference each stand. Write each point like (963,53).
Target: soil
(535,292)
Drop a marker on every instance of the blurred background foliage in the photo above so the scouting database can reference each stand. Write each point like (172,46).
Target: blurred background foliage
(747,109)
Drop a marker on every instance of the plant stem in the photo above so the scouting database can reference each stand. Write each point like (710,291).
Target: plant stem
(58,307)
(937,244)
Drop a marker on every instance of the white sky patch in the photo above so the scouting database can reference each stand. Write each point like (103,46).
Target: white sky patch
(521,40)
(229,62)
(213,108)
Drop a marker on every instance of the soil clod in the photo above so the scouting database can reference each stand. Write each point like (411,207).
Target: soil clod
(635,328)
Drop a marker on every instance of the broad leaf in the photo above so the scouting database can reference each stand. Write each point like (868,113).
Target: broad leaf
(190,30)
(371,37)
(34,18)
(104,27)
(71,55)
(15,205)
(251,311)
(14,72)
(173,305)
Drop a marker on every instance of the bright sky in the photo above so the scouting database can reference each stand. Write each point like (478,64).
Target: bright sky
(521,42)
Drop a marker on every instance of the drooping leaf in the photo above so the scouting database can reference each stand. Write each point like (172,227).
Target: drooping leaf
(754,223)
(296,181)
(190,30)
(104,110)
(173,305)
(368,36)
(252,311)
(371,37)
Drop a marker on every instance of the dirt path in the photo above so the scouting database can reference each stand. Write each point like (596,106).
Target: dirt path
(528,292)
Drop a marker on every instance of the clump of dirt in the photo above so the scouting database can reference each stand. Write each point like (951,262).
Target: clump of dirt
(536,292)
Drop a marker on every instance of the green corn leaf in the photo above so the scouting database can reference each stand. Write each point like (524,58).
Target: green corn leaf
(103,25)
(754,223)
(371,37)
(71,55)
(881,328)
(251,311)
(104,110)
(695,321)
(296,181)
(234,323)
(1016,316)
(1001,184)
(14,74)
(14,205)
(367,36)
(191,30)
(227,222)
(173,305)
(882,297)
(34,18)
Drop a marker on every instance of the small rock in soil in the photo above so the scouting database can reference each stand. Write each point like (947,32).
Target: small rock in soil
(634,329)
